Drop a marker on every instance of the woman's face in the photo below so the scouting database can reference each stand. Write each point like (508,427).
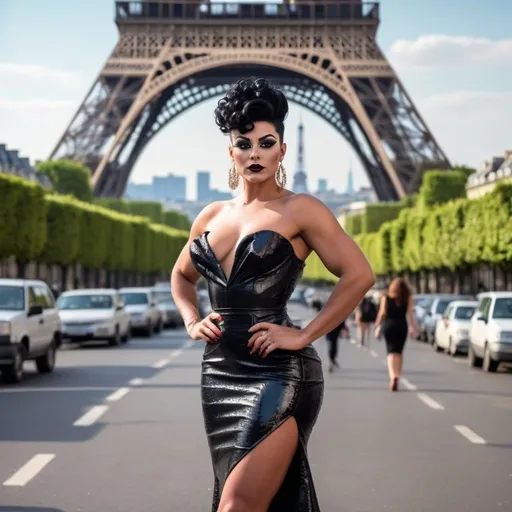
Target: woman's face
(257,154)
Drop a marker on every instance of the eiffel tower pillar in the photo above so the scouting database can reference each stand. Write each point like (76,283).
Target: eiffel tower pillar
(173,55)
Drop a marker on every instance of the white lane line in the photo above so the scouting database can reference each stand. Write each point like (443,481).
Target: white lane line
(471,436)
(117,395)
(161,363)
(353,341)
(373,353)
(430,401)
(45,390)
(30,469)
(91,416)
(408,384)
(136,382)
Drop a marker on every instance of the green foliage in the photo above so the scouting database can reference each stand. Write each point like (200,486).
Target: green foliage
(151,209)
(176,219)
(413,242)
(63,230)
(30,222)
(11,188)
(353,223)
(466,171)
(439,187)
(68,177)
(119,205)
(316,271)
(376,214)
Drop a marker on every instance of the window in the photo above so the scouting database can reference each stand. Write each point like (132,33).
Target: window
(448,311)
(134,299)
(46,297)
(12,298)
(464,312)
(70,302)
(503,308)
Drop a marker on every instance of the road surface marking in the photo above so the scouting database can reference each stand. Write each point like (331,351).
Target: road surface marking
(70,388)
(353,341)
(373,353)
(430,401)
(91,416)
(117,395)
(408,384)
(471,436)
(161,363)
(136,382)
(188,344)
(30,469)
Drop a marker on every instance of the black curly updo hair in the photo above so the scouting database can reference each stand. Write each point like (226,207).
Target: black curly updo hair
(248,101)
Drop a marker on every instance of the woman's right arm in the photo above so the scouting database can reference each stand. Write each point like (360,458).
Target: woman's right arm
(380,315)
(184,277)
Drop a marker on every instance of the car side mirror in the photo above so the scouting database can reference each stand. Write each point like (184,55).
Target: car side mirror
(35,309)
(480,318)
(119,308)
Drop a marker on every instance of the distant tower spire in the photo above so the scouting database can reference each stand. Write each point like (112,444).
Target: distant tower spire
(300,177)
(350,180)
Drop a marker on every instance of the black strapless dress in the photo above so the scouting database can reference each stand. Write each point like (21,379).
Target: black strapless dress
(245,398)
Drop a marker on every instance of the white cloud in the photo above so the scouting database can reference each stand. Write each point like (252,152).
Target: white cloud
(471,126)
(12,71)
(35,104)
(437,51)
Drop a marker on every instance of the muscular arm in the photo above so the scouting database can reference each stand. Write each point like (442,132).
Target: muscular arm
(184,276)
(341,256)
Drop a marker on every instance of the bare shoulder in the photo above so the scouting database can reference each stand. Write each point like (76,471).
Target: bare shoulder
(308,212)
(208,213)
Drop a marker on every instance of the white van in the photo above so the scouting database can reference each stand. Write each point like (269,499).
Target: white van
(29,327)
(490,332)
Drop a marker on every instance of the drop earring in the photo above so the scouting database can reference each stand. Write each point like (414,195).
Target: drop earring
(233,177)
(281,175)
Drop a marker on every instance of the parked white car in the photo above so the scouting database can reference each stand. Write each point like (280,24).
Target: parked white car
(94,314)
(29,327)
(490,334)
(141,304)
(452,329)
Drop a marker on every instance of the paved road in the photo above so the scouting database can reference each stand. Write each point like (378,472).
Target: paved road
(90,438)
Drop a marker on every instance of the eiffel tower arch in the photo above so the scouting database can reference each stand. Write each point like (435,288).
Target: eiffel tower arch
(172,56)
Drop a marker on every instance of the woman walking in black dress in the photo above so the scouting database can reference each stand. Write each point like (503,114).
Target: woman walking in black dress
(262,383)
(394,310)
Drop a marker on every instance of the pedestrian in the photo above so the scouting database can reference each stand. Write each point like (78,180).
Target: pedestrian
(366,313)
(332,338)
(262,382)
(395,308)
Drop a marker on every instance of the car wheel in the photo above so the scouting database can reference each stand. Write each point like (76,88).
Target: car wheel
(116,339)
(14,373)
(46,362)
(489,364)
(435,346)
(127,334)
(473,360)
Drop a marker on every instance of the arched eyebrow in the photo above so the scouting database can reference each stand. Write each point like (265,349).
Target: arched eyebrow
(259,140)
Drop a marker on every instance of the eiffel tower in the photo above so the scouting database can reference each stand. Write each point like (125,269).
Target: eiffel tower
(300,179)
(173,55)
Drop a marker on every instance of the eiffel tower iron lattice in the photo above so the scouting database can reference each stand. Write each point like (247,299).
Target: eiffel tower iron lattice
(171,56)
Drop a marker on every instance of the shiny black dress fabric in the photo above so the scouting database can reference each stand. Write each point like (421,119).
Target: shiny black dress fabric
(244,397)
(394,326)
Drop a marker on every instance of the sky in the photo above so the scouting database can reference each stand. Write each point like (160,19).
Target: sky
(453,57)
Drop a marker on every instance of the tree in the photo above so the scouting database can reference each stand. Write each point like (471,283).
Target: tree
(69,178)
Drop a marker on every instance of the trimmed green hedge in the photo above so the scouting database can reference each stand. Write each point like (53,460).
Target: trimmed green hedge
(450,236)
(56,229)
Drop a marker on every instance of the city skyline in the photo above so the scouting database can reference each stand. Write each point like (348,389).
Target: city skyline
(453,59)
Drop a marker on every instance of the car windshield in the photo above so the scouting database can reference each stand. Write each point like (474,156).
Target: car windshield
(442,305)
(84,302)
(134,299)
(12,298)
(464,312)
(162,295)
(503,308)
